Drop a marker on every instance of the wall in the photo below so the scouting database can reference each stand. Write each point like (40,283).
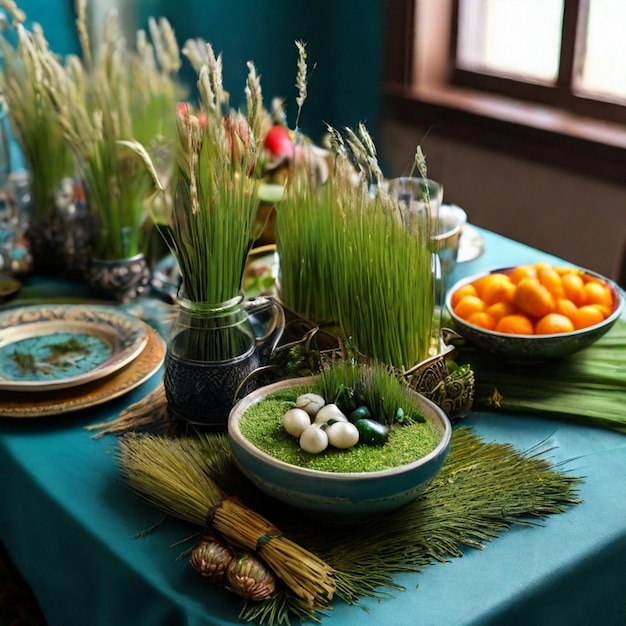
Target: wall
(343,41)
(57,20)
(343,37)
(578,218)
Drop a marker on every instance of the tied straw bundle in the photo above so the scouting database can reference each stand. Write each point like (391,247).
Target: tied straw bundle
(168,473)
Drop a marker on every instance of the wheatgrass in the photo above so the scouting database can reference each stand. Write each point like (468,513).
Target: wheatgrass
(107,100)
(262,425)
(346,258)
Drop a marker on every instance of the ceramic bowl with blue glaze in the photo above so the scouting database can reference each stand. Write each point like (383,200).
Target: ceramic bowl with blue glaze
(533,348)
(334,496)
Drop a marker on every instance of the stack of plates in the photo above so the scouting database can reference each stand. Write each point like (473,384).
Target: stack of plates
(60,358)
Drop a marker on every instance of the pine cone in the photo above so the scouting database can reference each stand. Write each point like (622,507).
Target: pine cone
(211,558)
(250,578)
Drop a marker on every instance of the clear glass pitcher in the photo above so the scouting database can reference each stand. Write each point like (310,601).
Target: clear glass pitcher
(212,353)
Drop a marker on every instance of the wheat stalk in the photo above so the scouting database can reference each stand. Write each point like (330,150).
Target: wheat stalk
(102,112)
(33,119)
(301,79)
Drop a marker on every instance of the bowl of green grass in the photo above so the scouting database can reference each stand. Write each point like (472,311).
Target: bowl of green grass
(339,485)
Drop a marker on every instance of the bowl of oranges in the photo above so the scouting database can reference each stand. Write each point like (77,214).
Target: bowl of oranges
(535,311)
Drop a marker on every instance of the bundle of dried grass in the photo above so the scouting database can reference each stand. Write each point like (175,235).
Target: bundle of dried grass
(169,473)
(148,414)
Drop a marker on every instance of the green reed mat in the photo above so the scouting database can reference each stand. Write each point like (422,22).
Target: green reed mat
(482,489)
(587,386)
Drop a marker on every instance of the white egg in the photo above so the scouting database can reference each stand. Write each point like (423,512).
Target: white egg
(295,421)
(313,439)
(342,435)
(328,412)
(310,402)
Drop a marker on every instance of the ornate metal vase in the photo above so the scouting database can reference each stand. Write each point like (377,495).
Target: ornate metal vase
(213,352)
(122,280)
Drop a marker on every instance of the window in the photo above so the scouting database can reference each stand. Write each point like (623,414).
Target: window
(603,72)
(516,38)
(565,53)
(541,78)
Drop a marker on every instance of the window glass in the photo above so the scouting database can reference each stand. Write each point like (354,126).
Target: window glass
(515,38)
(603,68)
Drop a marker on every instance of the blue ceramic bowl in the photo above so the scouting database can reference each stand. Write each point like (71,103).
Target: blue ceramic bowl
(340,497)
(533,348)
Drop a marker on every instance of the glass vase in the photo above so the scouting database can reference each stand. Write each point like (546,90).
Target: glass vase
(213,352)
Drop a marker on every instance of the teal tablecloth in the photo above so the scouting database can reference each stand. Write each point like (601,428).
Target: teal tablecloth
(69,522)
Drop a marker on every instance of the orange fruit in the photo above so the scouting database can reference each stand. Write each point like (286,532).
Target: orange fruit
(554,323)
(551,280)
(542,265)
(483,281)
(589,278)
(482,319)
(497,288)
(515,324)
(605,310)
(598,293)
(566,307)
(587,315)
(522,271)
(533,298)
(463,290)
(500,309)
(468,305)
(574,287)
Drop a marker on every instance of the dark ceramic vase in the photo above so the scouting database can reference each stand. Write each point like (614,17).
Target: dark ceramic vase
(121,280)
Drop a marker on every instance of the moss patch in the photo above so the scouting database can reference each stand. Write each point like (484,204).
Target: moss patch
(262,425)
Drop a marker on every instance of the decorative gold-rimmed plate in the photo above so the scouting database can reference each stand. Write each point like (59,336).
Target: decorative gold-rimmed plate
(46,348)
(62,401)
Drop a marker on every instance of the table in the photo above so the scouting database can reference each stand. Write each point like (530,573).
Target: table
(69,523)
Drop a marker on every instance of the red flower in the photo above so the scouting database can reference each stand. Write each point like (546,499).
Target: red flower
(278,142)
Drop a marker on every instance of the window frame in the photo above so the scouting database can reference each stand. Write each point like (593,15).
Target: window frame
(563,94)
(422,88)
